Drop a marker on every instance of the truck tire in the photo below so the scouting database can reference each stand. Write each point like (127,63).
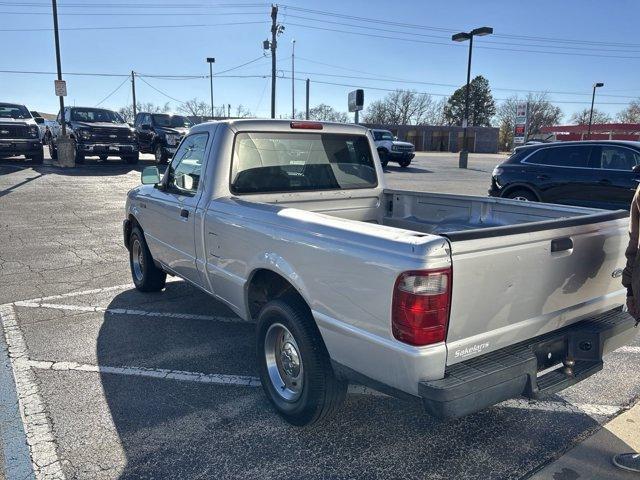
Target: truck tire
(132,159)
(404,163)
(160,154)
(146,276)
(104,157)
(52,150)
(294,365)
(38,158)
(384,158)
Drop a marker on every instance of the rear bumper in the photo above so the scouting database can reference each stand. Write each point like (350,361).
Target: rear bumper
(483,381)
(9,148)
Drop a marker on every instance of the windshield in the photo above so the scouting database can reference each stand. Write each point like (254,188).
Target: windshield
(9,110)
(382,135)
(95,115)
(175,121)
(285,162)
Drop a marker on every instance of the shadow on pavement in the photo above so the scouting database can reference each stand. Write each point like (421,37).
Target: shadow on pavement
(180,429)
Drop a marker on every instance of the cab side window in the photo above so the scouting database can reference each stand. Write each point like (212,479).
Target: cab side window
(617,158)
(184,171)
(561,156)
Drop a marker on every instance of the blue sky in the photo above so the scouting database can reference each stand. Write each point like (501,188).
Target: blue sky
(323,55)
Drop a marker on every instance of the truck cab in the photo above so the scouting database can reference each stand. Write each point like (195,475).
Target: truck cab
(390,149)
(19,133)
(160,133)
(96,132)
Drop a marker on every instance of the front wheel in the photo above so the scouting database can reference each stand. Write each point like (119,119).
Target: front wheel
(294,365)
(146,276)
(52,149)
(132,159)
(384,158)
(523,195)
(38,158)
(160,154)
(404,163)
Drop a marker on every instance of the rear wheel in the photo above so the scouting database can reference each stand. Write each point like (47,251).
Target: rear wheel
(294,365)
(522,194)
(146,276)
(52,150)
(160,154)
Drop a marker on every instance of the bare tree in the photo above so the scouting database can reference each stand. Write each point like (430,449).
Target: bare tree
(195,108)
(127,111)
(324,113)
(243,112)
(404,107)
(582,117)
(542,113)
(631,114)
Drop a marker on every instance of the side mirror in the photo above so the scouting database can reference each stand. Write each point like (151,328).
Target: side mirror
(636,169)
(145,126)
(395,137)
(150,176)
(39,120)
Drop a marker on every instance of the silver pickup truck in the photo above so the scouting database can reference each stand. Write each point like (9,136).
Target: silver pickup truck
(459,301)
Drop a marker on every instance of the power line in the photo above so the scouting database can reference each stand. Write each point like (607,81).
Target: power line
(450,30)
(161,92)
(129,14)
(114,91)
(452,44)
(130,27)
(134,5)
(447,38)
(240,66)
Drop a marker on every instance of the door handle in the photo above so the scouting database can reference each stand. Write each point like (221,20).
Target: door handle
(561,244)
(543,177)
(184,213)
(604,181)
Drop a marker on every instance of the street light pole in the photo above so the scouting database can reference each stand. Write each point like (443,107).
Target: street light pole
(211,61)
(293,79)
(593,98)
(461,37)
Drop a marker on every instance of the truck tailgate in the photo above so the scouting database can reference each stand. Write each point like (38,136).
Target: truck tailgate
(514,283)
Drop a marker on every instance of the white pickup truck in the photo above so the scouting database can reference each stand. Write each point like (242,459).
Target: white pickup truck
(460,301)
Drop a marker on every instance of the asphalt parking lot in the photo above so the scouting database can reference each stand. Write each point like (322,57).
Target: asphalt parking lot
(119,384)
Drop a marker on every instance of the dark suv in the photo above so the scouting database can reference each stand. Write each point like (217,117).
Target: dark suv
(19,133)
(601,174)
(160,133)
(96,132)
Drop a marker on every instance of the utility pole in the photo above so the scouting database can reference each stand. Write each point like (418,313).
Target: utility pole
(306,116)
(593,99)
(228,110)
(54,5)
(274,34)
(133,93)
(293,79)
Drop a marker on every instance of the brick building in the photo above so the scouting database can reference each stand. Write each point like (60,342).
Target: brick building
(436,138)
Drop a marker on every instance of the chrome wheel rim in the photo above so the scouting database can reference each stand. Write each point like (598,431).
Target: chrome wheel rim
(137,260)
(522,199)
(284,362)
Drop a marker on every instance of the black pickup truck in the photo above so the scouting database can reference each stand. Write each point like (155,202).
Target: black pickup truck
(96,132)
(19,133)
(160,133)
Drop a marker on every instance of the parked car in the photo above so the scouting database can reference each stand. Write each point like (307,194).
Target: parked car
(289,223)
(19,133)
(96,132)
(160,133)
(390,149)
(601,174)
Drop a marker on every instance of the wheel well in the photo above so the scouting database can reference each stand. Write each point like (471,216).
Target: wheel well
(266,285)
(521,187)
(133,222)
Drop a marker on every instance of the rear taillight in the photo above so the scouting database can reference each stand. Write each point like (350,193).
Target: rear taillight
(421,301)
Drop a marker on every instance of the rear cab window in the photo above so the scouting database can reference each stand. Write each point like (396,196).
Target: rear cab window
(266,162)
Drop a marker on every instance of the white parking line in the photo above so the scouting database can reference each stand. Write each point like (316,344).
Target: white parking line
(128,311)
(40,437)
(592,410)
